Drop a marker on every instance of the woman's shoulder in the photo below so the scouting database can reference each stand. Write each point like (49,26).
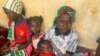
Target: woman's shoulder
(74,33)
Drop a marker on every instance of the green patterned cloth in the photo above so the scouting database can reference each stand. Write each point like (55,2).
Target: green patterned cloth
(11,32)
(63,10)
(77,54)
(16,53)
(11,37)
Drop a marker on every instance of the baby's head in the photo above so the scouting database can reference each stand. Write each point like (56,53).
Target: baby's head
(35,23)
(45,46)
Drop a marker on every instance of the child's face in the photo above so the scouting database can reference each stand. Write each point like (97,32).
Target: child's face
(34,27)
(47,48)
(11,15)
(64,23)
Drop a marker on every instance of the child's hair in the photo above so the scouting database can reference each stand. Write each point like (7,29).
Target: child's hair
(37,19)
(43,42)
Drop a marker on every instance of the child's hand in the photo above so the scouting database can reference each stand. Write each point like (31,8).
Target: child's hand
(35,42)
(15,48)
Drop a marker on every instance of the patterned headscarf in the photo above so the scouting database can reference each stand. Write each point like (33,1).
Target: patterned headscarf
(63,10)
(14,5)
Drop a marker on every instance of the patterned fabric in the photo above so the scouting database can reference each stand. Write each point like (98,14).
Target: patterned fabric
(11,32)
(63,10)
(16,53)
(14,5)
(22,31)
(18,34)
(62,43)
(66,9)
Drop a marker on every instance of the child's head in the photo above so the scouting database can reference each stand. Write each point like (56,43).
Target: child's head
(65,18)
(35,23)
(45,46)
(13,8)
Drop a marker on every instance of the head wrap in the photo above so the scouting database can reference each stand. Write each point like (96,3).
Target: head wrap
(14,5)
(63,10)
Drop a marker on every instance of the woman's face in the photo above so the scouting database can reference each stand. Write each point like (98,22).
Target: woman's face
(35,27)
(64,23)
(11,15)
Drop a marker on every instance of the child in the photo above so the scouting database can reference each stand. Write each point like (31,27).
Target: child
(63,38)
(45,48)
(19,32)
(37,35)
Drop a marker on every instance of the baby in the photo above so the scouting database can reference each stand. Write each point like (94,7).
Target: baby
(44,48)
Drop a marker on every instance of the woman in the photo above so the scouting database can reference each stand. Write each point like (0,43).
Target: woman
(63,38)
(19,32)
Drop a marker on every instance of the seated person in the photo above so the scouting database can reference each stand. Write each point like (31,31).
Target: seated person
(64,39)
(35,24)
(19,32)
(44,48)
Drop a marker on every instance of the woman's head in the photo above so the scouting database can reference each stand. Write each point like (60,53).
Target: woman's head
(45,46)
(35,23)
(65,10)
(13,8)
(65,18)
(64,23)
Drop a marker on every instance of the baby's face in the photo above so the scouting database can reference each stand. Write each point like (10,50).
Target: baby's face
(47,48)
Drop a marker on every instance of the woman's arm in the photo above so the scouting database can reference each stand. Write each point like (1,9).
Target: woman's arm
(24,45)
